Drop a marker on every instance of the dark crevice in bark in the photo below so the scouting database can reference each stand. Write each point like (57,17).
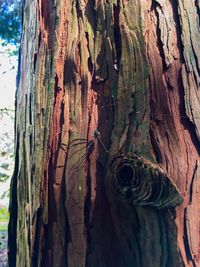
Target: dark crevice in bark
(52,217)
(61,122)
(136,228)
(18,75)
(13,209)
(25,117)
(55,88)
(48,15)
(90,13)
(154,7)
(192,182)
(30,109)
(185,237)
(79,9)
(46,252)
(32,171)
(105,119)
(70,70)
(30,125)
(197,4)
(62,118)
(90,63)
(163,238)
(34,62)
(68,236)
(51,65)
(45,13)
(174,4)
(39,40)
(87,207)
(155,145)
(104,240)
(84,86)
(90,66)
(117,32)
(87,202)
(37,241)
(174,258)
(22,15)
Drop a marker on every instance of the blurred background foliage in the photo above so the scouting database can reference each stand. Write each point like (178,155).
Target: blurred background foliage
(10,33)
(10,18)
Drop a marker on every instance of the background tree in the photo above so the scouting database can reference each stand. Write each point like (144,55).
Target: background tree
(107,135)
(9,44)
(10,17)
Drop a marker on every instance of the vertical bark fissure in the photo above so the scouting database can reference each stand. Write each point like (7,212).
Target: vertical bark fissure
(197,4)
(35,257)
(87,211)
(117,33)
(186,241)
(13,209)
(154,8)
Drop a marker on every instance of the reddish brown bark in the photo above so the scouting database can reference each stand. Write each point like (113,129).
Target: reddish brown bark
(107,135)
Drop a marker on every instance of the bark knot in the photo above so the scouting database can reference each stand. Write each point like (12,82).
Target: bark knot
(133,179)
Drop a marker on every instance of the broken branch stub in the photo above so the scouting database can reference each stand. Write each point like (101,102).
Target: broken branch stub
(136,180)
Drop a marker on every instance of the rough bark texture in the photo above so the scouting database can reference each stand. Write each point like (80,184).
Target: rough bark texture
(107,166)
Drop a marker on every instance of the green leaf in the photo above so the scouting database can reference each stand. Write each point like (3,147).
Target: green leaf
(3,177)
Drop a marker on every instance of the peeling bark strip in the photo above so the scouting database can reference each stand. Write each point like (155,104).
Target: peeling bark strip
(107,135)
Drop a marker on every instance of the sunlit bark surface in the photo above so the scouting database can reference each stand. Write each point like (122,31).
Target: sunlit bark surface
(107,168)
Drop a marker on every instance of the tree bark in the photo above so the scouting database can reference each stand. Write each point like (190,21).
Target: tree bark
(107,169)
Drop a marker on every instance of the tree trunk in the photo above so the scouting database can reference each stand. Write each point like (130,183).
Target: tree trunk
(107,168)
